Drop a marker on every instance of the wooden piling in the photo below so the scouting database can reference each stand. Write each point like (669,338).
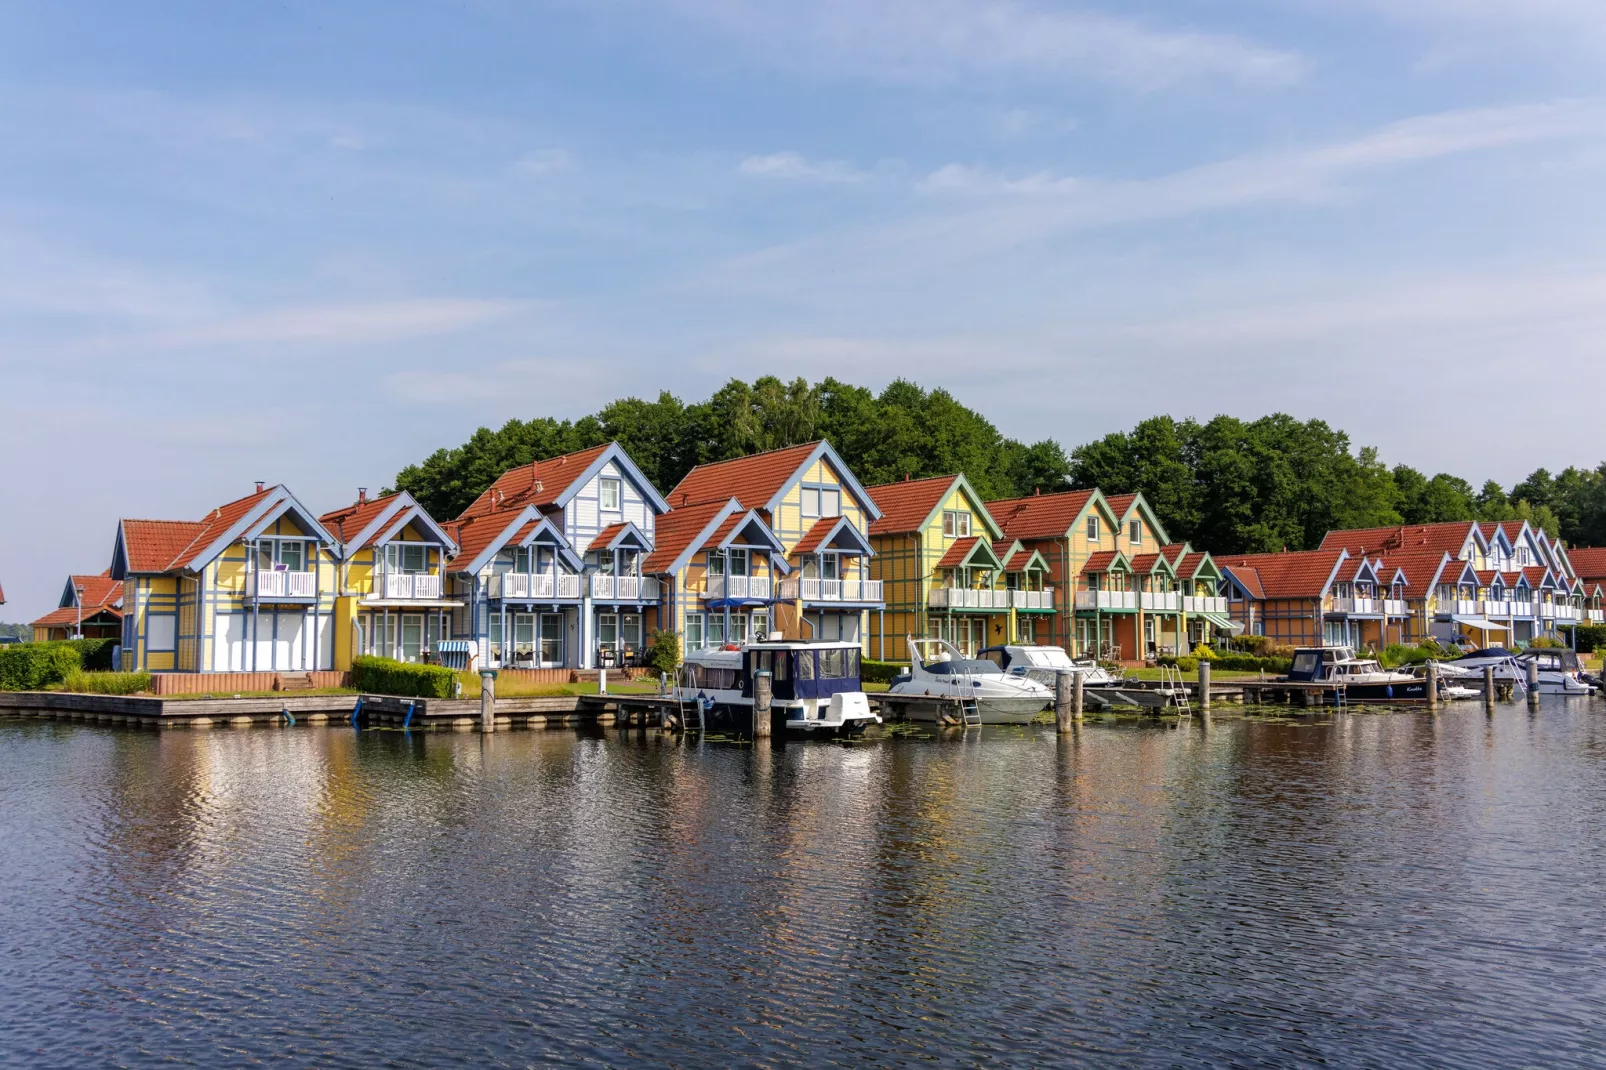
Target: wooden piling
(1433,686)
(1063,686)
(487,700)
(1488,687)
(1204,685)
(1078,694)
(1533,682)
(763,702)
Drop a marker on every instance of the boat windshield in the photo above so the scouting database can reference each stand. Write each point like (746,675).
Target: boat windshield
(1357,667)
(1046,657)
(961,667)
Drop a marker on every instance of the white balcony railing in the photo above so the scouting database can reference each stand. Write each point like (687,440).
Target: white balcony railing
(1597,616)
(1043,599)
(1396,607)
(1350,604)
(1106,600)
(624,588)
(737,587)
(1566,612)
(1547,610)
(281,584)
(542,585)
(1204,603)
(810,590)
(967,598)
(1496,609)
(1162,601)
(405,585)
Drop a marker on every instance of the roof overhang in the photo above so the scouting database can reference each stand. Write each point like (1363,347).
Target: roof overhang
(614,453)
(843,537)
(629,537)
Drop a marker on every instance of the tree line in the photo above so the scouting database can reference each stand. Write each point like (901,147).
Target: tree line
(1226,485)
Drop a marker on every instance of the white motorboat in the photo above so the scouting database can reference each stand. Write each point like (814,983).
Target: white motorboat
(1045,663)
(1560,671)
(815,685)
(982,691)
(1364,679)
(1507,669)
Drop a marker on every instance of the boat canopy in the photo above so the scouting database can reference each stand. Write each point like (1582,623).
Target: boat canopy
(1491,652)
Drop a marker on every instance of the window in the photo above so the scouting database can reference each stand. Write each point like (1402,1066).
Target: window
(805,664)
(413,556)
(551,639)
(811,501)
(956,524)
(822,501)
(761,626)
(610,490)
(608,631)
(412,637)
(716,630)
(1134,533)
(161,632)
(830,566)
(694,631)
(523,634)
(630,631)
(283,556)
(738,561)
(833,664)
(1092,529)
(716,563)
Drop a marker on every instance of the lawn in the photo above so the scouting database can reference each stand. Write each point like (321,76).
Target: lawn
(1216,675)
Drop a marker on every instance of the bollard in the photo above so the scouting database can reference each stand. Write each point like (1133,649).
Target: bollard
(763,699)
(1533,681)
(487,700)
(1488,687)
(1433,685)
(1077,696)
(1062,699)
(1204,685)
(602,681)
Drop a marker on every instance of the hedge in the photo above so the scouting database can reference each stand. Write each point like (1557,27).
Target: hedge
(879,672)
(1232,663)
(384,676)
(95,654)
(1589,637)
(107,683)
(35,666)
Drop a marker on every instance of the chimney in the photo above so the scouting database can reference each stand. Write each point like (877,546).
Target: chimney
(260,484)
(1036,491)
(362,495)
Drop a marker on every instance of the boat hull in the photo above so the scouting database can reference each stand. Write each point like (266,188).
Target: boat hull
(937,709)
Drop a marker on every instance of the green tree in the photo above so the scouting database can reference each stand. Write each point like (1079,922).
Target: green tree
(1438,500)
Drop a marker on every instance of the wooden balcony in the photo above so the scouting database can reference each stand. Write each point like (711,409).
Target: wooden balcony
(1043,599)
(624,588)
(1160,601)
(394,586)
(1204,603)
(811,590)
(290,585)
(543,586)
(718,588)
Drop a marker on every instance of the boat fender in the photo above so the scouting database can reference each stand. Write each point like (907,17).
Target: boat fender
(1389,691)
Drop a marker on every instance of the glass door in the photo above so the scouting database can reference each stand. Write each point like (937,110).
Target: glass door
(551,640)
(412,637)
(523,638)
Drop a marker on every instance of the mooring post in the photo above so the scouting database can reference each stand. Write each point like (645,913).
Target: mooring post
(1488,687)
(1533,681)
(1062,700)
(602,681)
(1433,686)
(487,700)
(1204,685)
(1077,696)
(763,700)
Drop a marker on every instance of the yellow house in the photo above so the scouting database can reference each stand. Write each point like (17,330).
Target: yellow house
(392,599)
(720,569)
(937,554)
(821,515)
(251,587)
(1067,530)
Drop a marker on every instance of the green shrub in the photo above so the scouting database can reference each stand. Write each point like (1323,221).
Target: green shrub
(663,656)
(95,654)
(107,683)
(879,672)
(1545,642)
(385,676)
(1201,651)
(1233,663)
(1188,663)
(1589,637)
(1396,654)
(35,666)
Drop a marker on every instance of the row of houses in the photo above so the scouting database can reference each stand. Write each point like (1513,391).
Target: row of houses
(575,561)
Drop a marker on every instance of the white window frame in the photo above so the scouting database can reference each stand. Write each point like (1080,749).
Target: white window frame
(610,486)
(1093,529)
(1134,533)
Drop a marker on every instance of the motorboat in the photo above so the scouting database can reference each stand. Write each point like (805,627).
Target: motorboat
(1045,663)
(814,685)
(1455,684)
(1364,679)
(1507,669)
(1560,671)
(983,692)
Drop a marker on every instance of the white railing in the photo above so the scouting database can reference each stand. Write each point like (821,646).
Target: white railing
(541,585)
(1106,600)
(1597,616)
(1396,607)
(389,585)
(1547,610)
(1496,610)
(1349,604)
(1204,603)
(1566,612)
(1043,599)
(831,590)
(624,588)
(967,598)
(737,587)
(260,584)
(1162,601)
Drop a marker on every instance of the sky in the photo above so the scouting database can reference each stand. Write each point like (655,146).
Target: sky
(310,243)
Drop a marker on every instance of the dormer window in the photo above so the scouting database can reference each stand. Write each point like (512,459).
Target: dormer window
(612,492)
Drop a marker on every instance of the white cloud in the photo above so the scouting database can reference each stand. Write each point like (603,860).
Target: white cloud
(933,41)
(791,165)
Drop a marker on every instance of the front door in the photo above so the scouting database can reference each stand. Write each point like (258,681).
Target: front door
(412,637)
(551,640)
(523,639)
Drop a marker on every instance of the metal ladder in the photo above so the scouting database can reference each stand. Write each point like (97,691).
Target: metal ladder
(1171,680)
(969,709)
(687,708)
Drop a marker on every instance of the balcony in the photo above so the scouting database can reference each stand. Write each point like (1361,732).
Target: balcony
(541,586)
(811,590)
(1204,603)
(1161,601)
(1396,607)
(1596,616)
(967,598)
(1107,600)
(1043,599)
(1566,613)
(734,587)
(1360,607)
(624,588)
(295,585)
(1500,610)
(390,586)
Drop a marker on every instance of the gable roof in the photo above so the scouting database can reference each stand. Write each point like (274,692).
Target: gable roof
(1289,574)
(763,479)
(1148,564)
(550,483)
(367,523)
(173,545)
(480,538)
(913,504)
(101,594)
(623,533)
(1123,504)
(1188,563)
(1017,558)
(1420,569)
(1451,536)
(681,533)
(1046,516)
(1107,561)
(963,553)
(832,531)
(1589,562)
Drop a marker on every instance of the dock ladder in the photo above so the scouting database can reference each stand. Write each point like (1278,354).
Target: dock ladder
(686,708)
(1171,682)
(969,708)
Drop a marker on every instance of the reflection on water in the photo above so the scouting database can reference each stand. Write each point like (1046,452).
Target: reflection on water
(1390,891)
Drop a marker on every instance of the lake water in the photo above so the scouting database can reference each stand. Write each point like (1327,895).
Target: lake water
(1387,891)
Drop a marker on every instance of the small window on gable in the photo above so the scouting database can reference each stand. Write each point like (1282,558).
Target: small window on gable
(1092,529)
(948,524)
(956,524)
(830,503)
(611,493)
(413,557)
(811,501)
(1135,533)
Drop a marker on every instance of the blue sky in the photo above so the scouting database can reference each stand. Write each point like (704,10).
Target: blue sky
(311,242)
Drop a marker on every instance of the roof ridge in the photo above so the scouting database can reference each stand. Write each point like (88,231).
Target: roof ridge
(750,456)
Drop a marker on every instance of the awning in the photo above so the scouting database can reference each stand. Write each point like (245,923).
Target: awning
(1481,623)
(1224,622)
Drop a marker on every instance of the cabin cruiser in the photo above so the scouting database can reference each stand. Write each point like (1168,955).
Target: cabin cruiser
(1507,669)
(1454,683)
(1560,671)
(815,685)
(1045,663)
(985,693)
(1364,679)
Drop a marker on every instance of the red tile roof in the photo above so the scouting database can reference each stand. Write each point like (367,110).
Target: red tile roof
(755,478)
(1120,503)
(608,534)
(539,483)
(1588,561)
(1184,559)
(153,545)
(1041,516)
(1301,574)
(816,535)
(1101,561)
(905,506)
(221,519)
(677,529)
(1145,563)
(101,594)
(1449,536)
(961,549)
(475,534)
(349,522)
